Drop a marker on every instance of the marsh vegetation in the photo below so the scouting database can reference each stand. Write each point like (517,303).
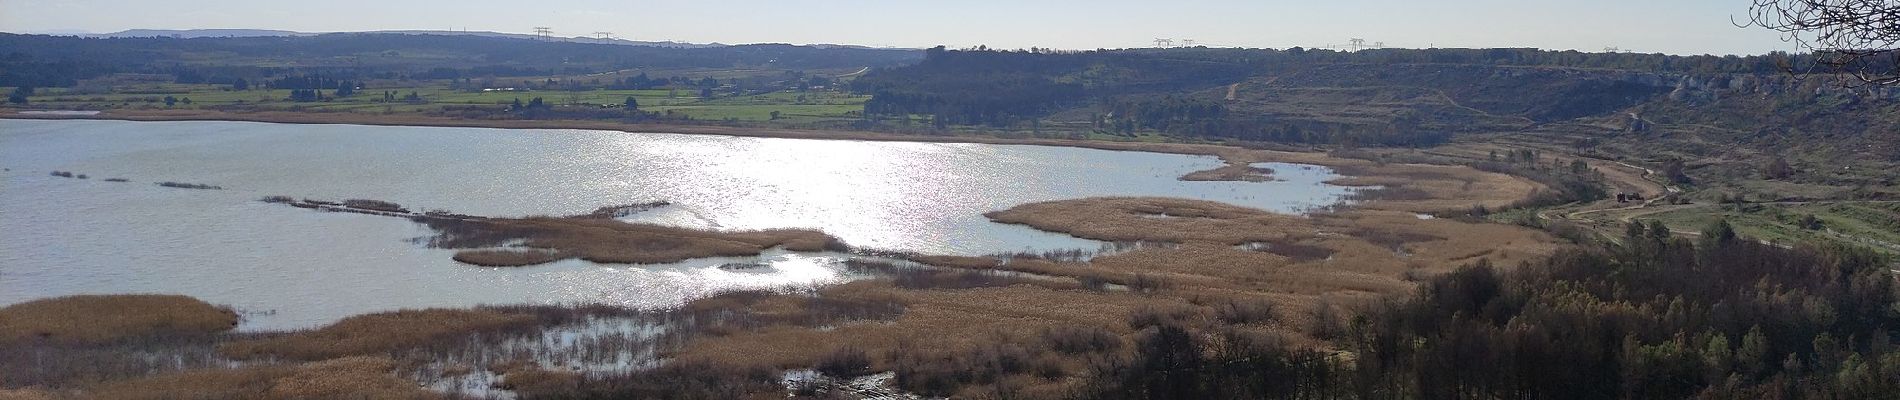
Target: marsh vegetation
(182,185)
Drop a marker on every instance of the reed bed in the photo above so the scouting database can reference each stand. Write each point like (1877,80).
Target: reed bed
(79,340)
(1233,171)
(595,237)
(611,241)
(509,257)
(182,185)
(380,333)
(55,365)
(353,377)
(107,318)
(375,205)
(1134,219)
(624,210)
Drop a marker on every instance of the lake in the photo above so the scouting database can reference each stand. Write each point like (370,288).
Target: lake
(292,268)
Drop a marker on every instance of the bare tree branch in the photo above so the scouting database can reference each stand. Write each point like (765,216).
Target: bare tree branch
(1853,37)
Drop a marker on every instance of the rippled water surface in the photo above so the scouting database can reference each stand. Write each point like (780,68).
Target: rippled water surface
(290,267)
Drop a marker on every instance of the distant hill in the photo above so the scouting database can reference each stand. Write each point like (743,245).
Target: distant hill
(195,33)
(1729,115)
(576,39)
(42,60)
(246,33)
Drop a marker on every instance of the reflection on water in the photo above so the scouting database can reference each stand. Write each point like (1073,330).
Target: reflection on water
(68,236)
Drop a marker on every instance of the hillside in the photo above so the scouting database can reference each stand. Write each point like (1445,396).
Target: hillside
(57,61)
(1725,116)
(231,33)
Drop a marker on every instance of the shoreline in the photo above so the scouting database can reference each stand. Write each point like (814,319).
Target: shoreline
(309,118)
(1238,160)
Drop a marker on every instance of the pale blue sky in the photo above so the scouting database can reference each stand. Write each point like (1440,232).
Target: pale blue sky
(1668,26)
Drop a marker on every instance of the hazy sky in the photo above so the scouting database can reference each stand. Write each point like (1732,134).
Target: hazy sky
(1668,26)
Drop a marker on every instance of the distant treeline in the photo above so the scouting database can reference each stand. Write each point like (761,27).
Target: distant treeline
(48,61)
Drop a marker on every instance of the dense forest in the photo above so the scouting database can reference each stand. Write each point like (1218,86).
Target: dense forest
(1654,317)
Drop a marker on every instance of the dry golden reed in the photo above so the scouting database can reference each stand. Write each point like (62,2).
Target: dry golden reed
(352,377)
(106,318)
(608,241)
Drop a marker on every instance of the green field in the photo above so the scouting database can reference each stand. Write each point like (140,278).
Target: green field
(1870,224)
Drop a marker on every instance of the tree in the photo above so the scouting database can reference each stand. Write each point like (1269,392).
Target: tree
(345,89)
(170,101)
(1855,37)
(20,94)
(775,115)
(1168,357)
(1752,358)
(240,84)
(1658,231)
(1777,169)
(305,95)
(632,104)
(1809,222)
(1673,169)
(1718,235)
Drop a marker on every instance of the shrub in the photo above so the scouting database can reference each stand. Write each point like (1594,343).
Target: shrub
(1150,316)
(677,381)
(845,363)
(1244,312)
(1143,283)
(374,205)
(1081,339)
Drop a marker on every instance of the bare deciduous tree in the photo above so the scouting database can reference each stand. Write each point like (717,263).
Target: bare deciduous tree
(1855,37)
